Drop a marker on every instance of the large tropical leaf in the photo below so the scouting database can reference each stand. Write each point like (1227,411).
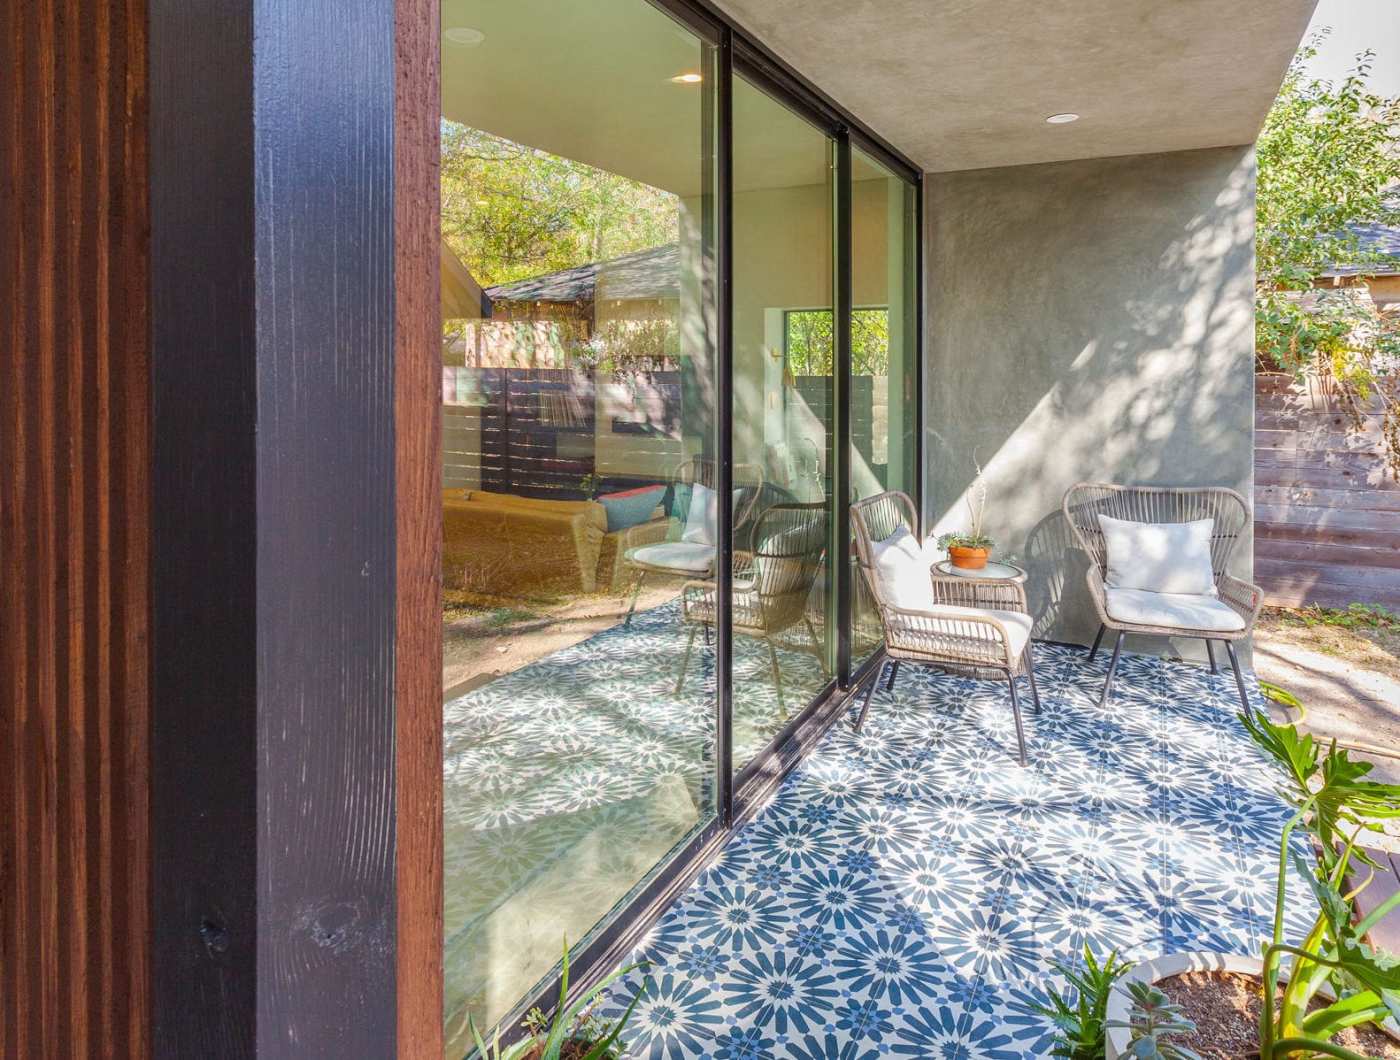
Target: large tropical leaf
(1296,755)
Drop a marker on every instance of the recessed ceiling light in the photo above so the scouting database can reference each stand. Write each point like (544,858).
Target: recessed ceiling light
(464,36)
(687,79)
(1062,119)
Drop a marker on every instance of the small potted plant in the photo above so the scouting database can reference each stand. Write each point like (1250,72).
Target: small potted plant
(970,549)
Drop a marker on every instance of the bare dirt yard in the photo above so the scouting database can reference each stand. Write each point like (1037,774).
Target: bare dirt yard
(1344,666)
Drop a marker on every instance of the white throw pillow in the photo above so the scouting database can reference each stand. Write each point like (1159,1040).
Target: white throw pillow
(700,519)
(1159,557)
(902,571)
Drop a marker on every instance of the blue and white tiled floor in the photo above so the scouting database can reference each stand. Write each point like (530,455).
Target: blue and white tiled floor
(907,889)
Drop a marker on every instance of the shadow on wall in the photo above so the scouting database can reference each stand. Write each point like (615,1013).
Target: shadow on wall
(1088,321)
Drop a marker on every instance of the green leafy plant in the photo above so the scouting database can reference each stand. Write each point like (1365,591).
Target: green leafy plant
(1079,1013)
(1334,803)
(1329,158)
(965,540)
(1151,1022)
(572,1025)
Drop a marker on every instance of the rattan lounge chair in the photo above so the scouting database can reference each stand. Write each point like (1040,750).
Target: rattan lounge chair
(1226,616)
(977,626)
(657,548)
(772,584)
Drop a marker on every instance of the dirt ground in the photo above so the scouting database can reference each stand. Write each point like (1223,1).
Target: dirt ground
(1345,668)
(484,637)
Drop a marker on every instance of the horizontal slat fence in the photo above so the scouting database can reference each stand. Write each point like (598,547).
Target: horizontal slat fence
(1326,510)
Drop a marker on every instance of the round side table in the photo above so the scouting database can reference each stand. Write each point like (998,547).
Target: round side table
(992,572)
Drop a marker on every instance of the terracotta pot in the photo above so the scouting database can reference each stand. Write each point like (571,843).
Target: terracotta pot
(1170,964)
(968,558)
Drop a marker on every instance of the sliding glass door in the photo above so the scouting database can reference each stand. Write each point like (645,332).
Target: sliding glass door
(678,338)
(884,350)
(579,451)
(784,388)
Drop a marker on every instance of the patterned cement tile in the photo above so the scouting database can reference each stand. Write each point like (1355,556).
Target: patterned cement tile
(566,781)
(907,888)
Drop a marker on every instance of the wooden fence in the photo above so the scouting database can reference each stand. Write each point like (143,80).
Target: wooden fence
(1326,512)
(535,432)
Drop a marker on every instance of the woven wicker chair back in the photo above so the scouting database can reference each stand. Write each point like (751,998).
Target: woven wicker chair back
(1085,502)
(876,519)
(747,478)
(790,546)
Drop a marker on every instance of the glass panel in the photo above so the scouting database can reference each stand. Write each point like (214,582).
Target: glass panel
(784,644)
(883,352)
(578,428)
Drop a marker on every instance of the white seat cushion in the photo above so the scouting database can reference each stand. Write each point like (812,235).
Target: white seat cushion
(687,557)
(1195,612)
(1159,557)
(902,571)
(1018,626)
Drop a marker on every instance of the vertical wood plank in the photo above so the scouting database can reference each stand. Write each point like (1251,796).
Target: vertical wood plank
(274,614)
(418,502)
(74,512)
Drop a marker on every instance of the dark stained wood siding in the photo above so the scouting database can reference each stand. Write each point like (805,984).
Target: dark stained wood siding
(274,611)
(74,512)
(1326,511)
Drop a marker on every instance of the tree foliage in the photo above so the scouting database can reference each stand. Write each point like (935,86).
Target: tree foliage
(1329,158)
(511,212)
(809,342)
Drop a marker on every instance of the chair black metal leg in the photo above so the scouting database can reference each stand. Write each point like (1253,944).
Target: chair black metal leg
(685,660)
(1239,680)
(1030,672)
(777,673)
(1112,668)
(1210,651)
(816,644)
(1097,641)
(1016,713)
(865,705)
(894,672)
(636,592)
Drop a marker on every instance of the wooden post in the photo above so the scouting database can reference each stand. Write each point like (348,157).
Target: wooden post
(292,670)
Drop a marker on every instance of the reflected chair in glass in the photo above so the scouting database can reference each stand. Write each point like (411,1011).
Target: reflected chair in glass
(977,625)
(657,548)
(1227,615)
(772,585)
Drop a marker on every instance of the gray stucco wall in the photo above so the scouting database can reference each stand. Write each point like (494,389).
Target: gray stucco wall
(1087,321)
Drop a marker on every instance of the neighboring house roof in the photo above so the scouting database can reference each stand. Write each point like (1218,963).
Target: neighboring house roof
(461,294)
(643,274)
(1384,239)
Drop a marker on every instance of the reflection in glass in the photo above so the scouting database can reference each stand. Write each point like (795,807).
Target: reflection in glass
(784,644)
(578,474)
(883,351)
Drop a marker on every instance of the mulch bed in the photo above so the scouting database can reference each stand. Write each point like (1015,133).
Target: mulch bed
(573,1049)
(1225,1008)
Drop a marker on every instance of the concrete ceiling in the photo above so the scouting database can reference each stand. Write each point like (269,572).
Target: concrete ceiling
(967,84)
(591,81)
